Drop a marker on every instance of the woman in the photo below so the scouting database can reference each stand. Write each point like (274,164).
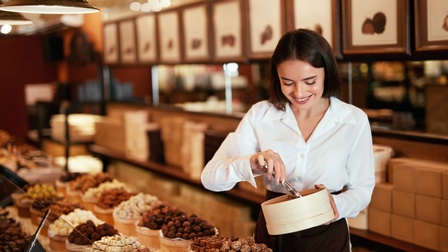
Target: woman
(305,135)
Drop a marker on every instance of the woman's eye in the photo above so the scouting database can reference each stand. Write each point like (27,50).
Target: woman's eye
(288,83)
(310,82)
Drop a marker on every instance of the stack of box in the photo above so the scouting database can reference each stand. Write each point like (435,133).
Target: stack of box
(414,208)
(126,134)
(171,128)
(193,148)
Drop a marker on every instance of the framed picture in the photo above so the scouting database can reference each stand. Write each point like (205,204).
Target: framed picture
(375,27)
(169,36)
(324,20)
(195,32)
(128,51)
(227,32)
(266,26)
(431,23)
(146,38)
(110,43)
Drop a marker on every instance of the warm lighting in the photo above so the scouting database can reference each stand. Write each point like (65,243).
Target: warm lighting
(135,6)
(150,5)
(6,29)
(49,6)
(13,18)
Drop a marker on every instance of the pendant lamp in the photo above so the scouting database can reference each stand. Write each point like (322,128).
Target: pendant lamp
(49,6)
(13,18)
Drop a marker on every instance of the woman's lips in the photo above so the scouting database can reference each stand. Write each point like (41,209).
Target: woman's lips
(303,100)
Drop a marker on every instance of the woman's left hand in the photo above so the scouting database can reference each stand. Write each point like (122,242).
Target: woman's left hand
(333,205)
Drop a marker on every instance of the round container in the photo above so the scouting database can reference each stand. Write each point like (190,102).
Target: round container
(285,214)
(148,237)
(173,245)
(57,242)
(61,187)
(88,204)
(104,214)
(71,247)
(126,226)
(23,204)
(36,215)
(73,196)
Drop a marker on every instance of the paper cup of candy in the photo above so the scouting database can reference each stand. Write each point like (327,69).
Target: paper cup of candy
(148,237)
(57,242)
(173,244)
(104,214)
(286,214)
(126,226)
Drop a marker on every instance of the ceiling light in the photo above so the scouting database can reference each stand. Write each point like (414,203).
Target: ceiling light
(13,18)
(6,29)
(146,7)
(135,6)
(49,6)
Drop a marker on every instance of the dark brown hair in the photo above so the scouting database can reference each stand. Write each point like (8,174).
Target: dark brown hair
(309,46)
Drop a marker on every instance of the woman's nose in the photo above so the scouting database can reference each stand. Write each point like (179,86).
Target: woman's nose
(299,90)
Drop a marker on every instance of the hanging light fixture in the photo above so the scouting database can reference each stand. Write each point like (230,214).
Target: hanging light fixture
(13,18)
(49,6)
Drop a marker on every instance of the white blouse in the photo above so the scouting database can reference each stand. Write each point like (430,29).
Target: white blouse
(338,153)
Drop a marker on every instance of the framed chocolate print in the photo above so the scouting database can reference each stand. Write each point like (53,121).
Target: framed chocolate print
(146,38)
(375,27)
(324,20)
(265,26)
(227,32)
(110,43)
(169,36)
(128,52)
(195,32)
(431,23)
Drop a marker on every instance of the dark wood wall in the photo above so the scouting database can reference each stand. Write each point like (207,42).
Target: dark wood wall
(21,62)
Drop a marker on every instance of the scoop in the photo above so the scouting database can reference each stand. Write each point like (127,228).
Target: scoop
(286,184)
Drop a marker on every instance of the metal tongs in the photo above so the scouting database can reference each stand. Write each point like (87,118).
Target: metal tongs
(288,186)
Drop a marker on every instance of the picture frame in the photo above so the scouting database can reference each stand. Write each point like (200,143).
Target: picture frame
(110,43)
(324,20)
(375,27)
(146,30)
(195,29)
(128,50)
(265,26)
(431,24)
(228,34)
(169,39)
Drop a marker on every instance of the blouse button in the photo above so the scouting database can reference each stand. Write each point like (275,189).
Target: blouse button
(299,178)
(302,155)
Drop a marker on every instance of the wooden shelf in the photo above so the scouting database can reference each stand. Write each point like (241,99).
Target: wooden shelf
(384,243)
(363,236)
(174,172)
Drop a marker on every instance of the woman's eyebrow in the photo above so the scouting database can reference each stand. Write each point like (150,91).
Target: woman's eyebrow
(309,78)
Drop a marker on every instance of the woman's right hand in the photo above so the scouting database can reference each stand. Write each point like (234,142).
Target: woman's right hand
(269,162)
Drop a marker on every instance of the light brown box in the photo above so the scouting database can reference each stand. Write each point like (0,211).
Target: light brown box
(391,166)
(445,185)
(444,213)
(429,181)
(379,221)
(428,209)
(405,177)
(382,197)
(443,238)
(402,228)
(426,235)
(403,203)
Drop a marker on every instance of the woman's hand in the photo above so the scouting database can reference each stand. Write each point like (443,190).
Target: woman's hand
(269,162)
(333,205)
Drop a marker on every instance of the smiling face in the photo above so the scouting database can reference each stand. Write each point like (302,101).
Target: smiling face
(301,83)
